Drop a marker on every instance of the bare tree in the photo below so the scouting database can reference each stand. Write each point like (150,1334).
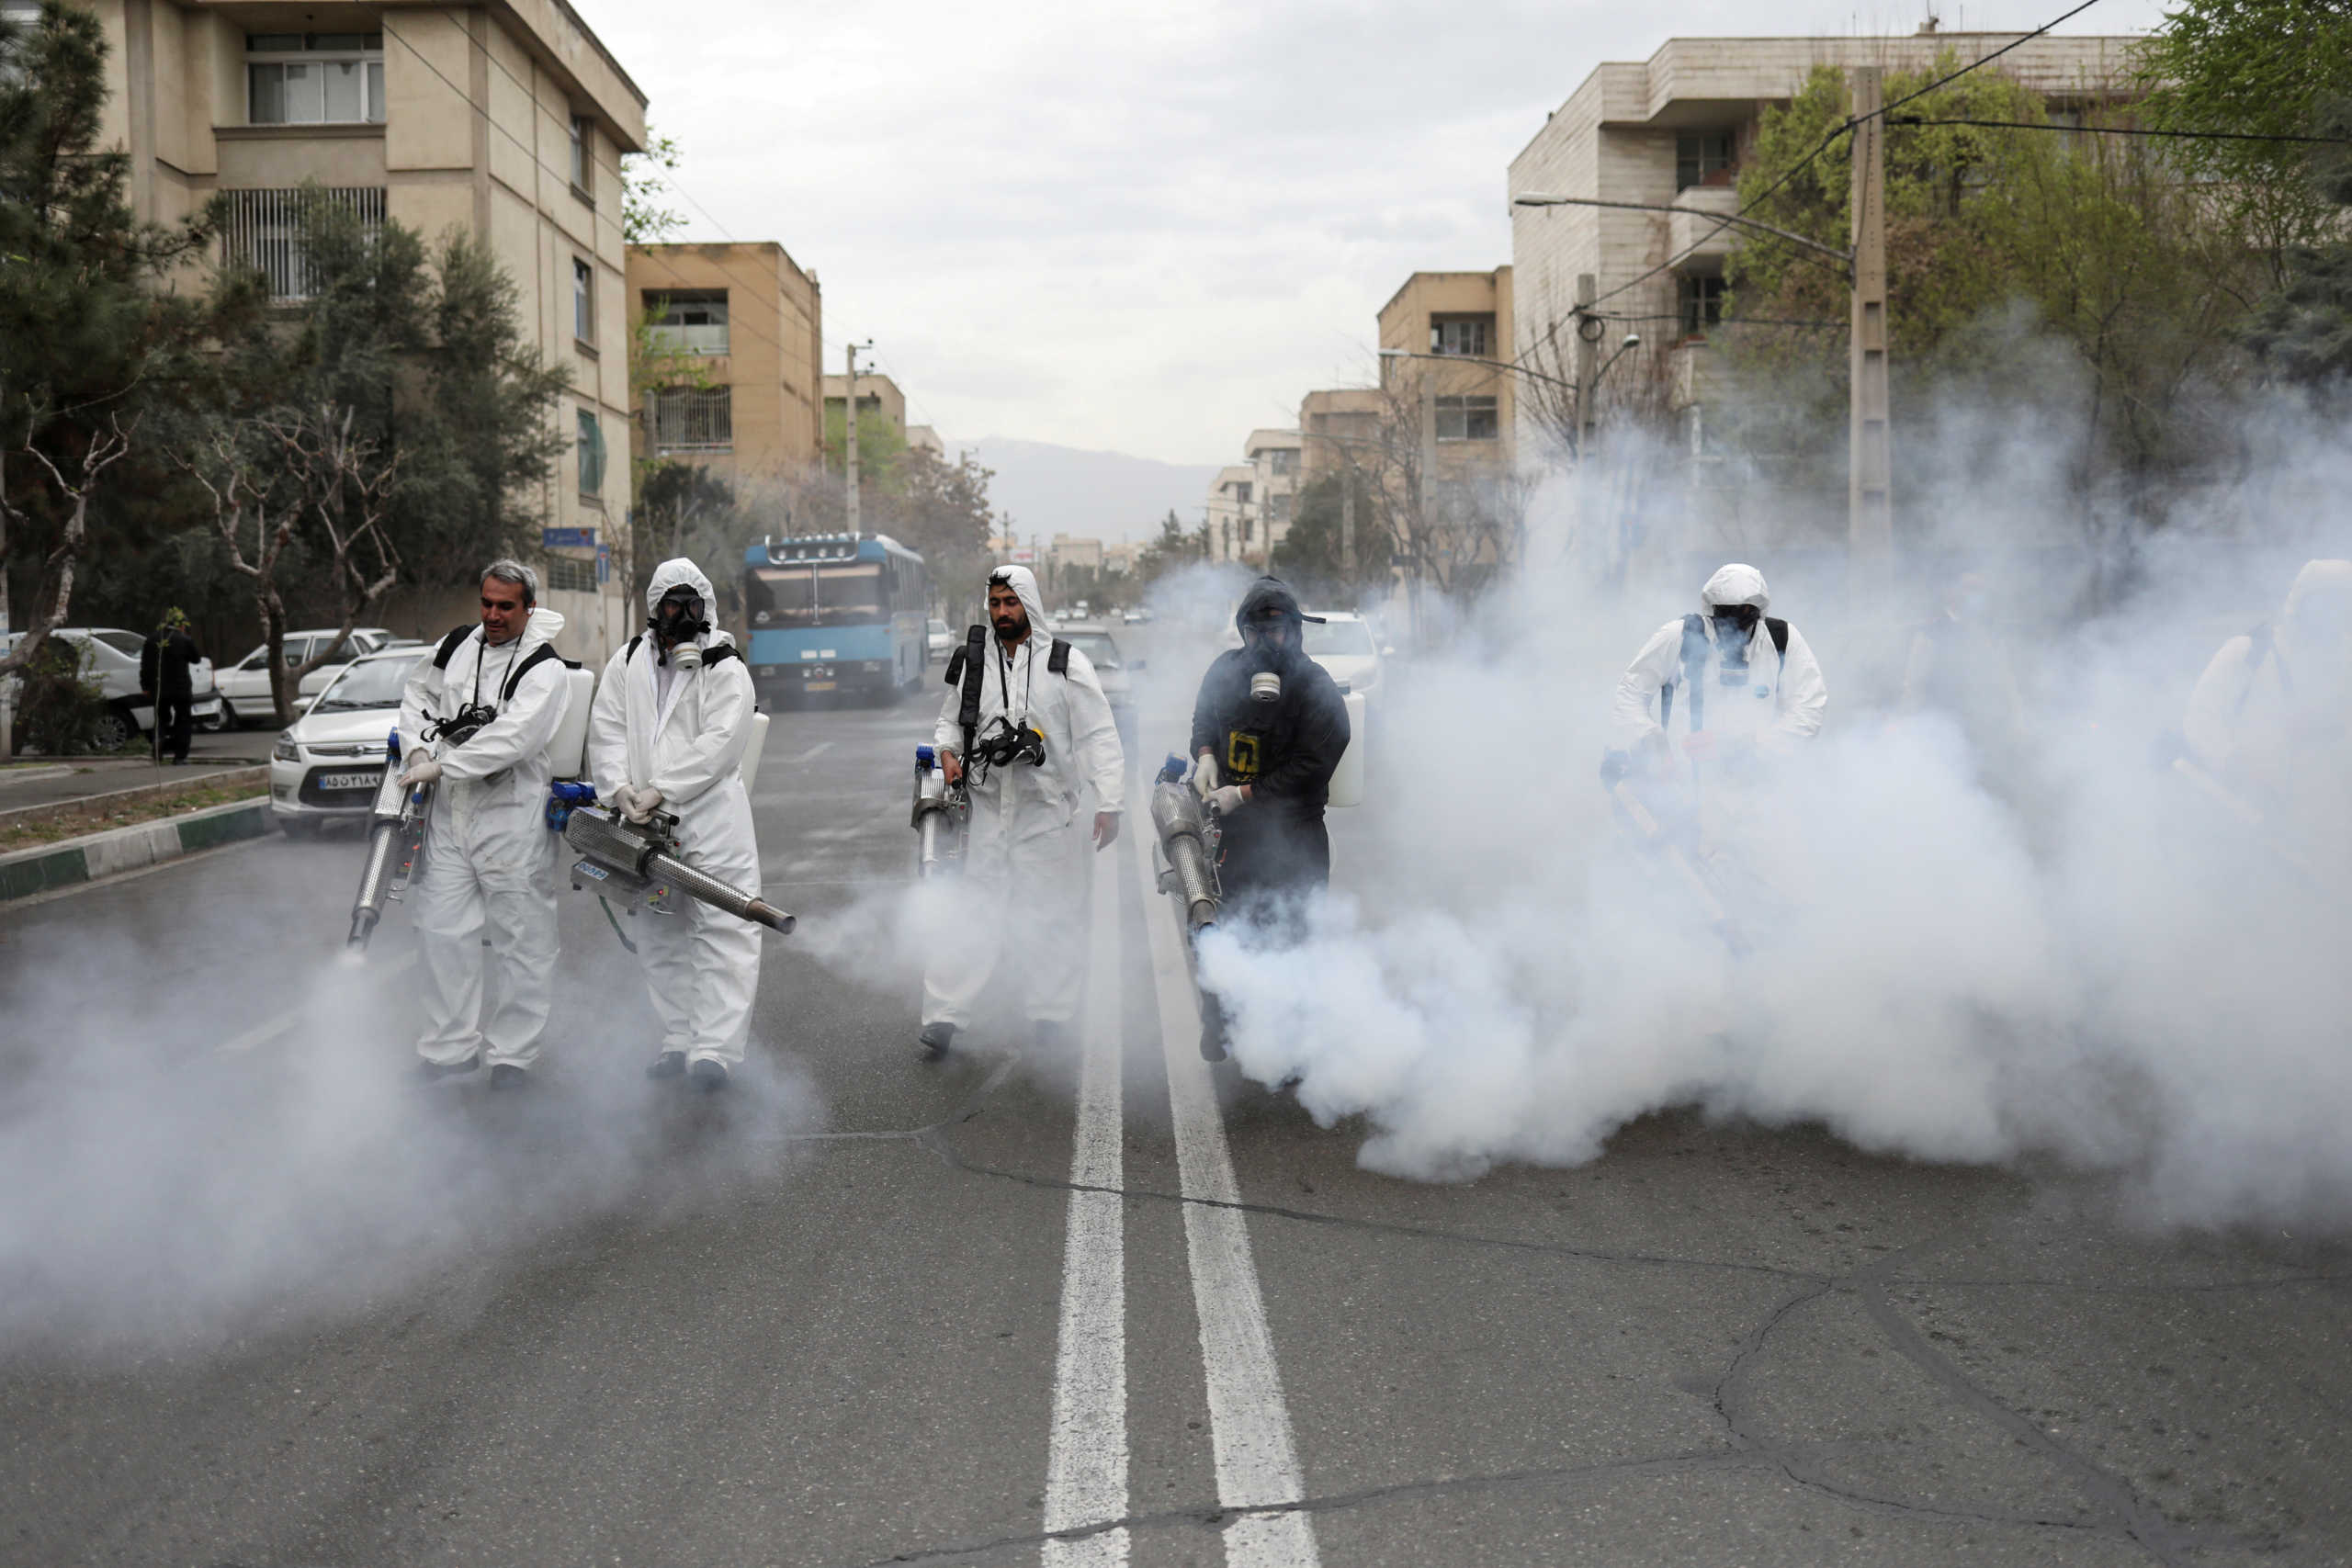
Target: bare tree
(270,473)
(106,448)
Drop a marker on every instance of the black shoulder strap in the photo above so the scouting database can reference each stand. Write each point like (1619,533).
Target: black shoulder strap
(449,649)
(632,647)
(973,659)
(527,663)
(719,653)
(1057,658)
(1780,630)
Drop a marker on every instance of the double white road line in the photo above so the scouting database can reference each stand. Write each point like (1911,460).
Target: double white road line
(1250,1429)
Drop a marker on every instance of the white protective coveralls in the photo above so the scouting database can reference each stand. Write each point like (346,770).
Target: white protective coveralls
(702,965)
(2275,722)
(1779,704)
(1025,872)
(489,858)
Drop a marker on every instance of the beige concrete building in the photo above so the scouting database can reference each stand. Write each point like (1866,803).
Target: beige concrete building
(1672,132)
(1451,331)
(927,438)
(1338,425)
(506,119)
(1274,461)
(1232,511)
(744,325)
(876,394)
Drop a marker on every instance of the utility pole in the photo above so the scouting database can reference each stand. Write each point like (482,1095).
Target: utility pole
(849,428)
(1869,514)
(1348,521)
(1587,366)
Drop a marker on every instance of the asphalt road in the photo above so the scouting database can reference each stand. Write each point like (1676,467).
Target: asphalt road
(263,1302)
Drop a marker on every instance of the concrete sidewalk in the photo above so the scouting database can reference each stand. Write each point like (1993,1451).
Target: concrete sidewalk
(46,780)
(46,867)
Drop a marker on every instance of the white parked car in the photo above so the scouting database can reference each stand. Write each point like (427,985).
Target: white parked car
(938,640)
(1344,646)
(327,763)
(1113,669)
(244,686)
(111,656)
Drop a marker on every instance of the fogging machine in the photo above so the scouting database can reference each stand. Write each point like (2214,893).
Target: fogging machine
(942,817)
(1190,837)
(638,862)
(395,840)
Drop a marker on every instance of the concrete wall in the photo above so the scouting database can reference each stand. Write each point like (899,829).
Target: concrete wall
(775,335)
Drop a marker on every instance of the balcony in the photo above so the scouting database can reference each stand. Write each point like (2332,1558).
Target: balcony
(1703,207)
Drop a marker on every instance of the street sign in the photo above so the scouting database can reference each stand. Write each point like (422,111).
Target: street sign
(567,538)
(604,564)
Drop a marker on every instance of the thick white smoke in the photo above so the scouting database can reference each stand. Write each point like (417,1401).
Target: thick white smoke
(2036,943)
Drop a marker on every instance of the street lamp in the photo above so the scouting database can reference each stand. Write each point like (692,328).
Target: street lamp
(1633,340)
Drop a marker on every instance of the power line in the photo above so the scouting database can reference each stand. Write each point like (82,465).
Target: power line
(2130,131)
(1799,166)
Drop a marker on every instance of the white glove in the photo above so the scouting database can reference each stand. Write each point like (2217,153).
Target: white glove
(1204,775)
(422,770)
(1228,798)
(639,805)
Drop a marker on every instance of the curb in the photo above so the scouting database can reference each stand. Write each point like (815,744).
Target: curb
(228,778)
(51,866)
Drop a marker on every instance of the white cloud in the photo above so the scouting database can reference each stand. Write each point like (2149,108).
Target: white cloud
(1138,227)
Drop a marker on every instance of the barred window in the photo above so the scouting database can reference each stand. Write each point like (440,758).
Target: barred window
(694,418)
(571,575)
(263,231)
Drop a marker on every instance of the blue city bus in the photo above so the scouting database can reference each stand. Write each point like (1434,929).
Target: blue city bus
(835,613)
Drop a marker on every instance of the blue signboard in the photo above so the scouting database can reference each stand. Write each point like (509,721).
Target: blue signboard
(567,538)
(603,563)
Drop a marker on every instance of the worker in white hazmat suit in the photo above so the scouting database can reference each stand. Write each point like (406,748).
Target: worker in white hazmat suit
(1737,679)
(476,720)
(671,720)
(2270,720)
(1041,736)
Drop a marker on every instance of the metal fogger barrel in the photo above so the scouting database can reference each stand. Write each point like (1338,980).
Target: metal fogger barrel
(640,864)
(942,817)
(395,836)
(1187,840)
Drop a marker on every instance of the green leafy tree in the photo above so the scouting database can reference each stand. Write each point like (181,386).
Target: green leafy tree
(1173,548)
(2252,68)
(90,346)
(1311,557)
(2304,330)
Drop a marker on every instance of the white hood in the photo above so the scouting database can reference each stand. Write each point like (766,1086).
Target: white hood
(2319,582)
(1024,581)
(671,574)
(1736,585)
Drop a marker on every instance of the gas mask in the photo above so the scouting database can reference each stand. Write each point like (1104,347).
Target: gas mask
(675,622)
(1734,625)
(1270,640)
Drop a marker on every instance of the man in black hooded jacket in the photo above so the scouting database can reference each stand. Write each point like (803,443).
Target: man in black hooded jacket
(1265,753)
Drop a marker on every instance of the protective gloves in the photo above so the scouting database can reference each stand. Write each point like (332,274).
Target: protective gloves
(422,770)
(1228,797)
(639,805)
(1203,774)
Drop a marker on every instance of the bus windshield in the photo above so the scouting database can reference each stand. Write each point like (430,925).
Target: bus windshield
(789,596)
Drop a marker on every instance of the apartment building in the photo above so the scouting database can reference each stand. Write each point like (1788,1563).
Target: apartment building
(1274,463)
(1443,338)
(1340,426)
(1672,132)
(507,119)
(741,328)
(876,394)
(1232,512)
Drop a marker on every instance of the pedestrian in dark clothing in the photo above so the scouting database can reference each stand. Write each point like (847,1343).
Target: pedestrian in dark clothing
(167,662)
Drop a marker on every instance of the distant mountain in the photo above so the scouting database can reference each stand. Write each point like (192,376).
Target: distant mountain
(1049,490)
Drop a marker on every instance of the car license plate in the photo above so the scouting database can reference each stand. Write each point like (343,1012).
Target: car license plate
(351,781)
(819,686)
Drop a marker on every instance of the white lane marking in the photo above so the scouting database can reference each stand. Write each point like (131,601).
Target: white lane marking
(1086,1458)
(813,752)
(285,1022)
(1257,1461)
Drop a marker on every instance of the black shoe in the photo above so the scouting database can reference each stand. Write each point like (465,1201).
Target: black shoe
(668,1064)
(935,1040)
(708,1075)
(506,1074)
(432,1072)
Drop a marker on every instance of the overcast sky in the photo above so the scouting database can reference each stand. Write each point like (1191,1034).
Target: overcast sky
(1143,227)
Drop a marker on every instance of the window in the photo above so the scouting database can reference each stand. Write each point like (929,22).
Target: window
(1471,335)
(263,229)
(1703,158)
(583,156)
(1700,301)
(1277,509)
(584,300)
(1282,460)
(592,454)
(315,78)
(1240,489)
(694,418)
(571,575)
(1468,419)
(687,321)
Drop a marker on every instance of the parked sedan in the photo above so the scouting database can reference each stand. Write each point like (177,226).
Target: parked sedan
(327,763)
(938,640)
(244,687)
(1117,673)
(1344,646)
(110,657)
